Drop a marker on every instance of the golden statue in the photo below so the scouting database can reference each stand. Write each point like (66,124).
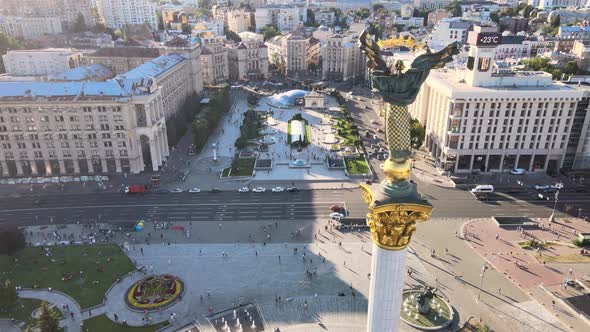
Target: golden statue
(395,205)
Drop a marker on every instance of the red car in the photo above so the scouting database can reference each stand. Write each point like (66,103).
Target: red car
(337,208)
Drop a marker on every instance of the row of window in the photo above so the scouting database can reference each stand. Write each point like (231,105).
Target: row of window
(64,145)
(24,155)
(74,127)
(61,118)
(99,109)
(50,137)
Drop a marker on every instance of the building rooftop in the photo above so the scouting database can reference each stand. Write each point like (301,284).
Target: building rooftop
(44,50)
(155,67)
(127,52)
(84,73)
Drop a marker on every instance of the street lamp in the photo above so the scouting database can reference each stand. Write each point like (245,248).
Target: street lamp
(552,216)
(483,271)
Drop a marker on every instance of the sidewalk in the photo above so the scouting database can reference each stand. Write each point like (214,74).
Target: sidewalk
(424,170)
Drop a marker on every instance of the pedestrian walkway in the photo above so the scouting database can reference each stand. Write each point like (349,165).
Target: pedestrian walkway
(424,170)
(72,312)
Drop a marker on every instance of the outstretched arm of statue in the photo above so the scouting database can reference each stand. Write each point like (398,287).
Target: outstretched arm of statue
(429,60)
(374,60)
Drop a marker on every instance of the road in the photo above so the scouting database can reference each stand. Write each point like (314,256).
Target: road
(308,205)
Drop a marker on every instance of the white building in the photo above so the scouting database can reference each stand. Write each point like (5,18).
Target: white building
(432,4)
(238,20)
(40,62)
(325,17)
(447,31)
(66,10)
(283,17)
(549,4)
(72,128)
(116,13)
(488,118)
(409,21)
(342,60)
(30,27)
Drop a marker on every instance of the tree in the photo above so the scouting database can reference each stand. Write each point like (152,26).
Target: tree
(455,8)
(310,18)
(279,63)
(495,17)
(10,43)
(80,24)
(571,68)
(526,11)
(12,239)
(8,295)
(48,319)
(555,21)
(417,134)
(232,36)
(269,31)
(363,13)
(377,7)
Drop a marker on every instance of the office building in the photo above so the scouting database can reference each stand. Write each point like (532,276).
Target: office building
(30,27)
(342,60)
(117,13)
(40,62)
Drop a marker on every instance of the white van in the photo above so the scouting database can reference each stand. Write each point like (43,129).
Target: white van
(483,188)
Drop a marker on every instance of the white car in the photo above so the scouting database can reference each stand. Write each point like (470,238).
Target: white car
(517,171)
(336,215)
(541,187)
(194,190)
(244,190)
(278,189)
(176,191)
(557,186)
(259,190)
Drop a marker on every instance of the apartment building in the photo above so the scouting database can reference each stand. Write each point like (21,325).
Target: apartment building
(283,17)
(30,27)
(432,4)
(436,16)
(342,60)
(447,31)
(66,10)
(214,61)
(116,13)
(40,62)
(489,118)
(298,53)
(248,60)
(121,59)
(119,125)
(549,4)
(238,20)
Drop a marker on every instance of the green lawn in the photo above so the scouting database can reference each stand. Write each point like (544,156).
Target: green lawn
(102,323)
(225,172)
(357,166)
(93,269)
(246,167)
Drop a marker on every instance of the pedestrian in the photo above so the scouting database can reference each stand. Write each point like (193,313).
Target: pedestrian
(141,249)
(208,293)
(116,317)
(89,312)
(497,236)
(344,263)
(279,259)
(201,297)
(256,253)
(169,261)
(220,226)
(552,303)
(499,290)
(72,314)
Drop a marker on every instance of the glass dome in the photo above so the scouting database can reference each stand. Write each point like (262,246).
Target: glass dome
(289,98)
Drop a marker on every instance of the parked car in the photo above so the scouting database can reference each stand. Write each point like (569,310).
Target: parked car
(336,215)
(549,190)
(518,171)
(214,190)
(540,187)
(278,189)
(176,191)
(194,190)
(557,186)
(293,189)
(259,190)
(244,190)
(337,208)
(135,189)
(483,188)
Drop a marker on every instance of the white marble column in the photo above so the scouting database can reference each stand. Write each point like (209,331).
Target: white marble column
(4,168)
(48,169)
(385,293)
(19,168)
(154,151)
(118,164)
(62,166)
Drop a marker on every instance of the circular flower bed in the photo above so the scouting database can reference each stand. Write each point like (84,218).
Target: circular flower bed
(154,292)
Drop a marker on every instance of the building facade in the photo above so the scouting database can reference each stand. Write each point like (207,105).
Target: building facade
(116,13)
(491,119)
(298,53)
(214,62)
(248,60)
(66,10)
(69,128)
(432,4)
(121,59)
(40,62)
(238,20)
(342,60)
(30,27)
(447,31)
(283,17)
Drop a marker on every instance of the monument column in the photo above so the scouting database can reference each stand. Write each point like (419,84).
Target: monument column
(395,206)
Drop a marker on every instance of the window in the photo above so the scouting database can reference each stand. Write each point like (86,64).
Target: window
(123,153)
(65,145)
(6,146)
(108,144)
(122,144)
(59,118)
(67,154)
(36,145)
(38,154)
(104,127)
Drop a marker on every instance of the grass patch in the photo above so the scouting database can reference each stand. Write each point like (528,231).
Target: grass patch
(534,244)
(289,133)
(243,167)
(570,258)
(103,323)
(356,166)
(101,266)
(307,133)
(225,172)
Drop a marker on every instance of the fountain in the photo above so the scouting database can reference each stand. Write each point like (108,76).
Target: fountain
(214,145)
(425,310)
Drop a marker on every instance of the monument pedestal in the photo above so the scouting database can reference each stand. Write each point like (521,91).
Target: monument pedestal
(385,296)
